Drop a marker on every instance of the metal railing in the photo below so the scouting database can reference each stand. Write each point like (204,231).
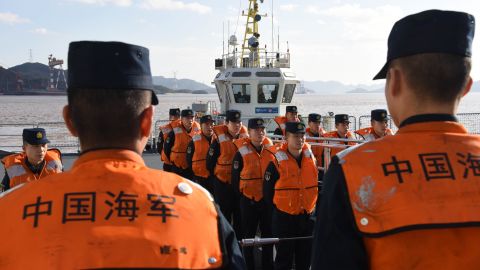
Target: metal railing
(265,59)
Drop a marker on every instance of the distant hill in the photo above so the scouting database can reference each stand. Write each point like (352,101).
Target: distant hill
(186,84)
(30,76)
(334,87)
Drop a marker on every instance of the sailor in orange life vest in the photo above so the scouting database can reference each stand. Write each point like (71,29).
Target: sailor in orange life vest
(110,210)
(173,115)
(410,201)
(342,131)
(291,188)
(247,182)
(219,163)
(379,128)
(291,115)
(315,129)
(197,153)
(35,162)
(177,141)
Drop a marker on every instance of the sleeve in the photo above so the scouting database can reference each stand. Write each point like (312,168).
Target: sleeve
(270,178)
(336,243)
(237,168)
(232,254)
(212,156)
(160,142)
(190,151)
(5,185)
(168,144)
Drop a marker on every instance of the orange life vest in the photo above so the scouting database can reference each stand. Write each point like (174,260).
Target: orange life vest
(415,197)
(110,211)
(178,156)
(251,176)
(166,129)
(334,134)
(296,190)
(316,149)
(19,172)
(223,167)
(199,157)
(281,121)
(370,135)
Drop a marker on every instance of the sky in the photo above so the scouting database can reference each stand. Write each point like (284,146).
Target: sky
(332,40)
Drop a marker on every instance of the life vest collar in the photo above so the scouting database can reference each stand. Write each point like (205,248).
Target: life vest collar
(440,127)
(110,154)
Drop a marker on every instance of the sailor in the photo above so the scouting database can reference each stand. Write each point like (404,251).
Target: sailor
(247,182)
(291,115)
(110,210)
(379,126)
(315,130)
(35,162)
(219,163)
(291,188)
(342,125)
(173,115)
(197,153)
(176,144)
(410,201)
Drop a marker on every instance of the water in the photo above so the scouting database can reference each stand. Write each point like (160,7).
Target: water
(34,109)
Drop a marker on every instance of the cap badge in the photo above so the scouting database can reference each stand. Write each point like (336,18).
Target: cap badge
(39,135)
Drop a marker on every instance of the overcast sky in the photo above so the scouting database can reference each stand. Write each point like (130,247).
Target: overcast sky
(329,40)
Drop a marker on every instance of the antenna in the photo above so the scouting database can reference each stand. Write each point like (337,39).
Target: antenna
(223,37)
(278,39)
(31,57)
(273,42)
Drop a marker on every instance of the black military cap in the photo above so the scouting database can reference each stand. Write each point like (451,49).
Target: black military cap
(256,123)
(109,65)
(314,117)
(291,109)
(234,116)
(35,136)
(174,112)
(431,31)
(379,115)
(295,127)
(205,119)
(187,113)
(341,118)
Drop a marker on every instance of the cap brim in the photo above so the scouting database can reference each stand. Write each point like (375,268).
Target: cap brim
(154,98)
(382,74)
(43,141)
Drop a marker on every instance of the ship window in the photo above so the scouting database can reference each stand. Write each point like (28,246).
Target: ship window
(288,93)
(241,74)
(241,92)
(267,93)
(268,74)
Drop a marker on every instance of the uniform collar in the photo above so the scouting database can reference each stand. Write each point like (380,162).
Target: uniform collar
(110,154)
(428,118)
(432,123)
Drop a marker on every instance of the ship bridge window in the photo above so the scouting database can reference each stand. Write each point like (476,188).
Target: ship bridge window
(241,74)
(267,93)
(241,92)
(288,93)
(268,74)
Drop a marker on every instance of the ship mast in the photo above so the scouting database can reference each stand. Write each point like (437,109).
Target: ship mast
(251,36)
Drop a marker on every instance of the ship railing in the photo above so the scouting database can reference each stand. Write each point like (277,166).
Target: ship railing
(261,59)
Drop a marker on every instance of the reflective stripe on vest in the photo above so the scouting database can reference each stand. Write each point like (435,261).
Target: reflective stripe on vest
(251,176)
(178,156)
(15,171)
(76,224)
(296,190)
(199,161)
(417,192)
(223,167)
